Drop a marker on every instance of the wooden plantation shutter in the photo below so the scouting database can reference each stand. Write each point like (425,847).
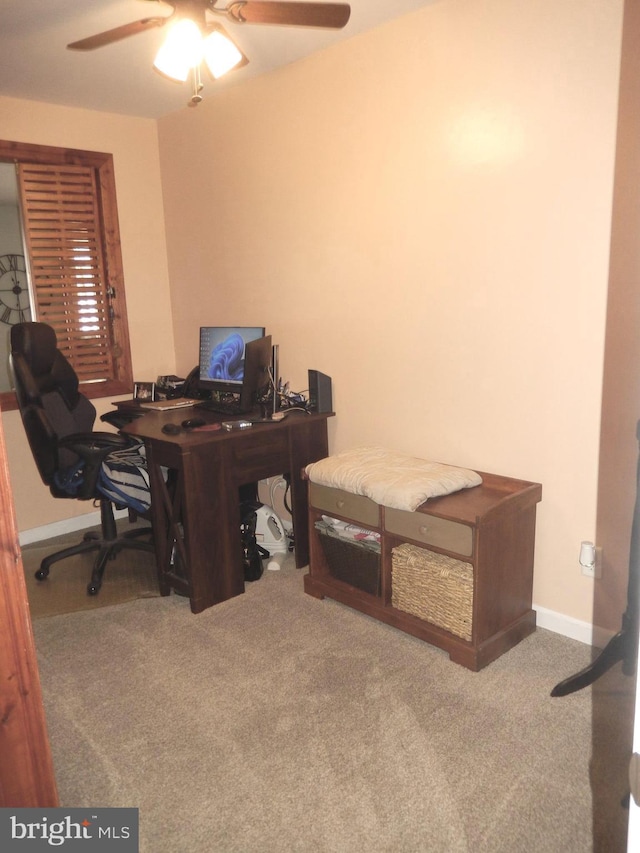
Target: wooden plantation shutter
(72,243)
(63,229)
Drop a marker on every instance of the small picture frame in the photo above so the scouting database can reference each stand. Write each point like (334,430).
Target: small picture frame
(144,391)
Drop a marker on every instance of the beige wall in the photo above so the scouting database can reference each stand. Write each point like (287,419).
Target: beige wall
(424,213)
(134,145)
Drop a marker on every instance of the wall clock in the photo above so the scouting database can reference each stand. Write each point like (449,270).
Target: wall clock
(14,290)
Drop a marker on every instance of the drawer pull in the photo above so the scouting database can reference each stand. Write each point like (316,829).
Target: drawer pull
(340,504)
(423,529)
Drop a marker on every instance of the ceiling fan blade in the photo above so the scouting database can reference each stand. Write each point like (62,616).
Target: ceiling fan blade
(116,34)
(329,15)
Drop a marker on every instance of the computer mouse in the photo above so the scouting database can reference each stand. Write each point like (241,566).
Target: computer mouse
(192,423)
(171,429)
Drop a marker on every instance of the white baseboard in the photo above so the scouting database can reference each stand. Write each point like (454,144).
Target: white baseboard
(575,629)
(67,525)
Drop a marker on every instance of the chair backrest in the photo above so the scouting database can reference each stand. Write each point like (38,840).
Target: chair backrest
(51,406)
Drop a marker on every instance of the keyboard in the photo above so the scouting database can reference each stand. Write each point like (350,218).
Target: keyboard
(226,408)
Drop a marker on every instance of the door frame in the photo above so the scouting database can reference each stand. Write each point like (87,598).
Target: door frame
(27,776)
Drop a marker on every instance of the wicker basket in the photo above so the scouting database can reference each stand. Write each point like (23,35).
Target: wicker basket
(352,562)
(433,587)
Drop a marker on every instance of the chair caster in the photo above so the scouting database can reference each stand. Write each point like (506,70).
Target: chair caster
(41,574)
(93,588)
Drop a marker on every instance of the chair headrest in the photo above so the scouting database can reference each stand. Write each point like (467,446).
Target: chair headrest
(37,345)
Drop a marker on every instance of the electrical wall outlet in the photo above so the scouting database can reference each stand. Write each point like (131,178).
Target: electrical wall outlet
(594,571)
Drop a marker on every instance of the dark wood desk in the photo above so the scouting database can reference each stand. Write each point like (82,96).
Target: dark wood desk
(196,513)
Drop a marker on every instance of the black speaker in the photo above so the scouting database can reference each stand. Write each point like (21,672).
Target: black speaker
(319,392)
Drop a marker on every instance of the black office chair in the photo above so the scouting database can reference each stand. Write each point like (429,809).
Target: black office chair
(73,460)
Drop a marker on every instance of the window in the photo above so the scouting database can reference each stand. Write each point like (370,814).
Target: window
(72,245)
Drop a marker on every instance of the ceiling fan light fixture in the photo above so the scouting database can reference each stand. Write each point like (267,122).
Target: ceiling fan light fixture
(192,39)
(181,50)
(220,53)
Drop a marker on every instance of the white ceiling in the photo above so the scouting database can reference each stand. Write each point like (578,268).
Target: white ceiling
(35,64)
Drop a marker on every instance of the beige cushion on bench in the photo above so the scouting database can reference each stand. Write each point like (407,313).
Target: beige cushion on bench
(388,478)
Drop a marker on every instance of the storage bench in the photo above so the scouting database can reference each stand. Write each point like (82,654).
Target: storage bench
(457,572)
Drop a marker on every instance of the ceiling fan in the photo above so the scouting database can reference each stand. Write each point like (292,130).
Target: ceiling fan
(194,38)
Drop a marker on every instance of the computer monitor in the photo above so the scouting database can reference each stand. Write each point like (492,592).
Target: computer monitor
(235,360)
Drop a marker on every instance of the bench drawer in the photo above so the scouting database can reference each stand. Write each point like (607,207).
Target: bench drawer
(439,532)
(352,507)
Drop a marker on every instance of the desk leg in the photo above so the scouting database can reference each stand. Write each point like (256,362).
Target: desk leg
(162,515)
(196,523)
(211,517)
(309,443)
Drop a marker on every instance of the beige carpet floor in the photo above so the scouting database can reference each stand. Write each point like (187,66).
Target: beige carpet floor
(276,722)
(131,575)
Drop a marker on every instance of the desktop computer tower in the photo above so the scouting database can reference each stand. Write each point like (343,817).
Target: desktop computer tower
(319,392)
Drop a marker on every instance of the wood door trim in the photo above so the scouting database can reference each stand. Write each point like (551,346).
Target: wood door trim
(26,770)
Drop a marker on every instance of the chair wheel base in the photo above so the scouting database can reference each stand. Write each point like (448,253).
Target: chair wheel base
(107,545)
(91,536)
